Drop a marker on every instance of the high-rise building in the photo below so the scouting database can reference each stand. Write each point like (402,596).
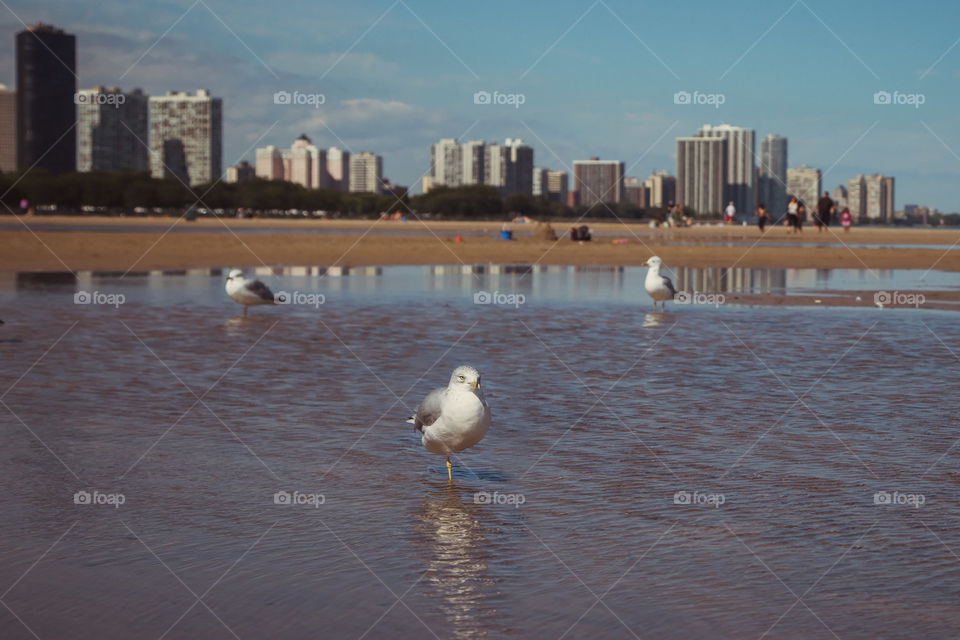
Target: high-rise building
(662,187)
(338,168)
(741,174)
(472,156)
(8,129)
(308,164)
(496,166)
(804,183)
(637,192)
(871,198)
(186,136)
(701,174)
(556,186)
(446,163)
(366,173)
(112,131)
(540,182)
(597,181)
(772,175)
(269,163)
(520,170)
(240,172)
(839,197)
(46,87)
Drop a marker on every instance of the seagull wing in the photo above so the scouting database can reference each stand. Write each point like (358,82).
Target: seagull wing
(669,285)
(260,290)
(429,410)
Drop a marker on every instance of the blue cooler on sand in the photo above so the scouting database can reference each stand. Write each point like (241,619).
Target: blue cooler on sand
(506,234)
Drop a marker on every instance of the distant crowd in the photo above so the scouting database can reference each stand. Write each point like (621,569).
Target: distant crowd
(796,214)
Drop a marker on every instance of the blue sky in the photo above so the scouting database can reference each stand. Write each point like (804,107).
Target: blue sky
(598,78)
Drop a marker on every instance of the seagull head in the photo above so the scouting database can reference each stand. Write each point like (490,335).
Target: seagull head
(654,262)
(465,378)
(234,273)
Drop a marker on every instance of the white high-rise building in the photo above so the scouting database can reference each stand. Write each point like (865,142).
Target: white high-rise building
(496,166)
(663,189)
(740,175)
(269,163)
(540,181)
(186,136)
(338,168)
(366,173)
(472,158)
(804,183)
(772,175)
(446,163)
(871,198)
(112,131)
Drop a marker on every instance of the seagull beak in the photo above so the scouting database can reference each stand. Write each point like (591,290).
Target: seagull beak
(475,384)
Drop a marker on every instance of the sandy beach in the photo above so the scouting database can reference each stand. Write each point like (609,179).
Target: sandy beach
(54,243)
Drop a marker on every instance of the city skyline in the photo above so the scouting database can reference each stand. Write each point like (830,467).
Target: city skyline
(395,104)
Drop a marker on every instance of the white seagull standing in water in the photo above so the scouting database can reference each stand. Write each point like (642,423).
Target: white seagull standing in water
(247,292)
(453,418)
(659,287)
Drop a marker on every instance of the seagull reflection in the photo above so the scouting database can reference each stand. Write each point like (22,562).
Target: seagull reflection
(652,320)
(457,556)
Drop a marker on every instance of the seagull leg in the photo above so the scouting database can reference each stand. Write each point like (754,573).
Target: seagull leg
(449,470)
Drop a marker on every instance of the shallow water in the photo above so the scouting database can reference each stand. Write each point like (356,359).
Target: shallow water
(792,418)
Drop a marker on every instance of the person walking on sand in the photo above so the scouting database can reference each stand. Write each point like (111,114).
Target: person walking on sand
(824,207)
(730,213)
(792,210)
(801,214)
(845,219)
(762,216)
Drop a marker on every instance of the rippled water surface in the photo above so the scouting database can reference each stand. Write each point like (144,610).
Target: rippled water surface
(704,473)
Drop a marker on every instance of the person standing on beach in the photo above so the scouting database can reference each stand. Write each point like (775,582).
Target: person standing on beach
(762,216)
(824,209)
(845,219)
(801,214)
(792,209)
(730,213)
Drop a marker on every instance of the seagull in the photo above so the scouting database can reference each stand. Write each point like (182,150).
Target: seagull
(455,417)
(659,287)
(247,292)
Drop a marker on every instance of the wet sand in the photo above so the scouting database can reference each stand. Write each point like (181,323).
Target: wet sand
(52,250)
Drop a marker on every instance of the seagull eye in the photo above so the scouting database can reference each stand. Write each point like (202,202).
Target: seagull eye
(461,378)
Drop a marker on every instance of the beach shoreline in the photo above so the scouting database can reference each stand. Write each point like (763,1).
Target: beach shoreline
(71,243)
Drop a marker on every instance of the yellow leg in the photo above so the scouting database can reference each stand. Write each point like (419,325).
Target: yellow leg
(449,470)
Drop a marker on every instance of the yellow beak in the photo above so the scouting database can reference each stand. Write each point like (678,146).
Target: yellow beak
(475,384)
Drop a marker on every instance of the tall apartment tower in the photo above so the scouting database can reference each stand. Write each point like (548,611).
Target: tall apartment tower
(663,189)
(804,183)
(472,158)
(269,163)
(186,136)
(338,168)
(46,86)
(772,175)
(701,173)
(557,187)
(8,129)
(520,173)
(366,173)
(740,177)
(596,181)
(112,131)
(446,163)
(871,198)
